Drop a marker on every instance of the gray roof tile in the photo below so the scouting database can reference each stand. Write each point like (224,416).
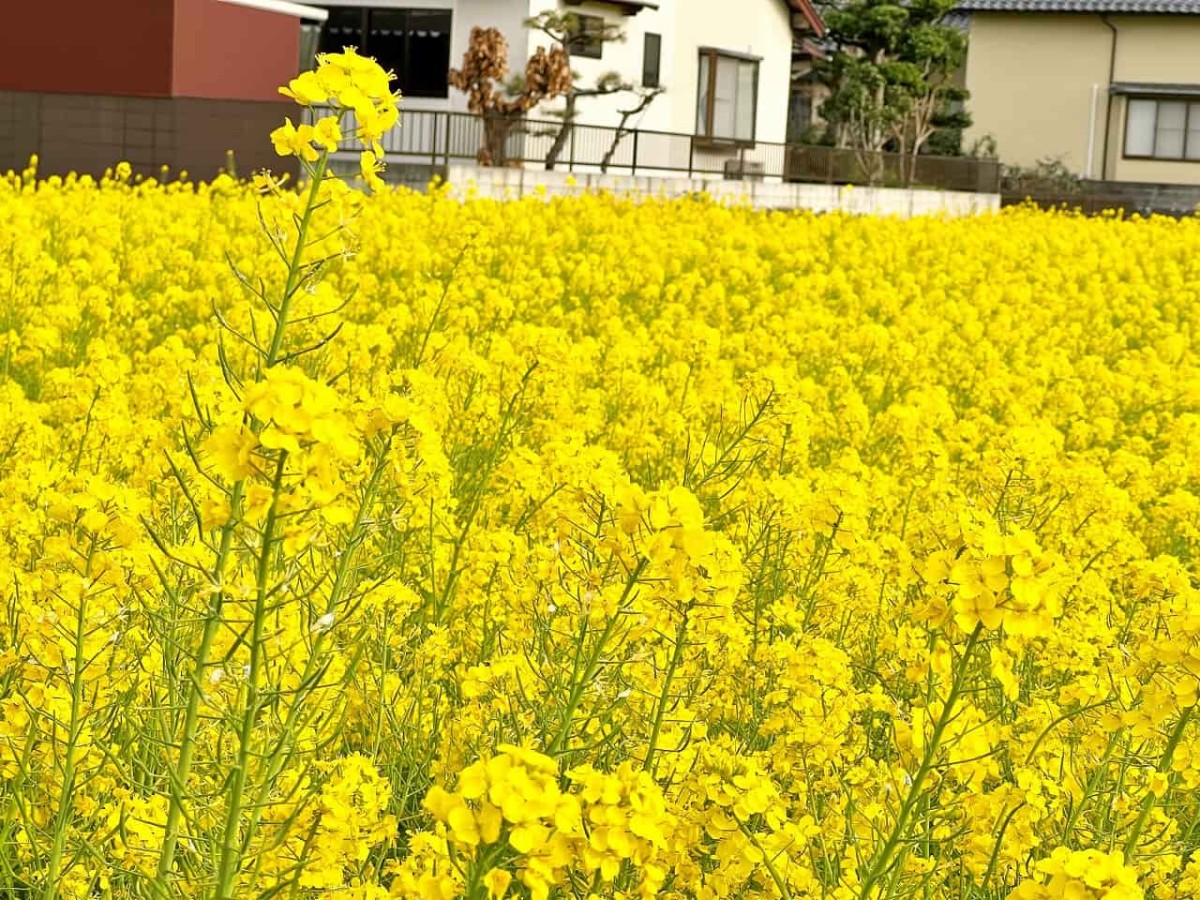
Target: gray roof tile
(1153,7)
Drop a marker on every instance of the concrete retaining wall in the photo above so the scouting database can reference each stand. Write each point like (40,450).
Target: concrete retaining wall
(500,184)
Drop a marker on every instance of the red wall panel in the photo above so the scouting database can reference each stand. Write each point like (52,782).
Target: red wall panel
(147,48)
(81,46)
(230,52)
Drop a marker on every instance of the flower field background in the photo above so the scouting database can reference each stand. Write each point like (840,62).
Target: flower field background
(397,546)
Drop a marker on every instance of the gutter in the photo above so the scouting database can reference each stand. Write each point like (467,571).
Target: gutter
(812,18)
(1091,143)
(284,7)
(1112,74)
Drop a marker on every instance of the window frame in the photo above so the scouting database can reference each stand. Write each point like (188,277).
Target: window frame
(588,49)
(656,80)
(402,78)
(1188,102)
(714,55)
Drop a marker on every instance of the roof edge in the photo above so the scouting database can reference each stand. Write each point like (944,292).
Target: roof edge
(806,9)
(1082,7)
(1152,89)
(284,7)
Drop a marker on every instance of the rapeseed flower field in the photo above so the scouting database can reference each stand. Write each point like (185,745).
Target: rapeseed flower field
(384,545)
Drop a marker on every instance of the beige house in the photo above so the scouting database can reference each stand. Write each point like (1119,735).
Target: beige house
(1109,87)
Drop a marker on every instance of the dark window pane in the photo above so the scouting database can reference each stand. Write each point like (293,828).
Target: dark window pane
(342,29)
(386,36)
(412,43)
(800,110)
(651,60)
(428,53)
(589,44)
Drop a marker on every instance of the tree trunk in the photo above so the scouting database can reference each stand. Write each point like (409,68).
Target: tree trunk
(922,130)
(622,131)
(560,139)
(496,129)
(616,142)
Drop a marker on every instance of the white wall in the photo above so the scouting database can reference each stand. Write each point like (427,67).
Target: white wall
(759,28)
(624,58)
(507,15)
(504,184)
(510,15)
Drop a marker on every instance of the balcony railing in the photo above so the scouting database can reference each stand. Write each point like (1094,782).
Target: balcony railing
(439,138)
(834,165)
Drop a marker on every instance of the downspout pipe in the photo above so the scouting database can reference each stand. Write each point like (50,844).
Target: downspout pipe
(1091,142)
(1112,74)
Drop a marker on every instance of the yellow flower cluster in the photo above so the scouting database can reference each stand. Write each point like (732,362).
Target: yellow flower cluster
(351,85)
(1085,875)
(510,812)
(590,548)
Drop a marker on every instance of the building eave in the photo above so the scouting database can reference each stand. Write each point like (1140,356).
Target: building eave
(626,7)
(1087,7)
(806,48)
(809,15)
(1151,89)
(284,8)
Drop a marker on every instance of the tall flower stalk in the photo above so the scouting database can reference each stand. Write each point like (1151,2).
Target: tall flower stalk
(255,452)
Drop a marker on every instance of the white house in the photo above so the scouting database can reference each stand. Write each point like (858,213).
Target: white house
(726,69)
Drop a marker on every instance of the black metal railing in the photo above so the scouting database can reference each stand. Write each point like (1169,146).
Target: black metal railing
(1094,197)
(438,138)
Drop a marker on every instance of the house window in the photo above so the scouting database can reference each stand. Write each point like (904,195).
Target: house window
(587,41)
(1162,129)
(800,116)
(413,43)
(651,60)
(727,97)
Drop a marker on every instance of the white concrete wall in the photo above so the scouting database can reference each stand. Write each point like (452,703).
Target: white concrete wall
(502,184)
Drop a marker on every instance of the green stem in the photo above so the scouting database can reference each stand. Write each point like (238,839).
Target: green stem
(476,889)
(294,267)
(213,621)
(996,848)
(780,884)
(187,746)
(579,688)
(1089,788)
(67,793)
(900,831)
(664,696)
(230,848)
(1164,766)
(277,757)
